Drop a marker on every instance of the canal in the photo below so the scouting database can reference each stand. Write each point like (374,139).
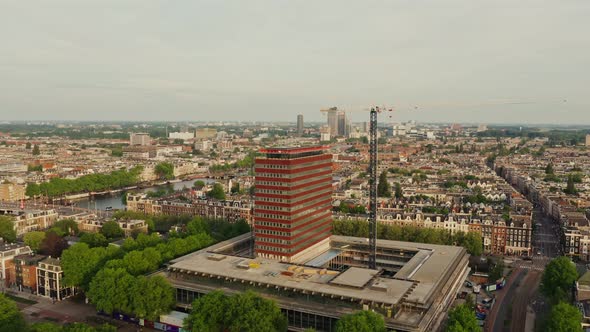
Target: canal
(115,201)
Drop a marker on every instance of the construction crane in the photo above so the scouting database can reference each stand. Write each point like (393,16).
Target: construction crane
(373,184)
(373,148)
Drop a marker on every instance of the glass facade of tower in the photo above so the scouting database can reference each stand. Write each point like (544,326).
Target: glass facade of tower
(293,200)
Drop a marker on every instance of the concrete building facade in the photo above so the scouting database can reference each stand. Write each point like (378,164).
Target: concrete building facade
(300,124)
(139,139)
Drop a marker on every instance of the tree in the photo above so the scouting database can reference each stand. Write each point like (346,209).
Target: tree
(157,301)
(217,192)
(383,187)
(398,190)
(32,190)
(94,240)
(117,152)
(242,312)
(473,243)
(11,319)
(571,188)
(558,279)
(564,317)
(361,321)
(164,171)
(110,290)
(462,319)
(208,314)
(235,188)
(65,227)
(141,261)
(28,146)
(36,150)
(497,271)
(199,184)
(251,312)
(111,230)
(549,169)
(45,327)
(53,245)
(80,263)
(34,240)
(7,231)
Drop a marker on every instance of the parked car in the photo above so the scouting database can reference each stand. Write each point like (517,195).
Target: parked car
(468,283)
(476,289)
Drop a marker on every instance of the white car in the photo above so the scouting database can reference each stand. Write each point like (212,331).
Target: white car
(476,289)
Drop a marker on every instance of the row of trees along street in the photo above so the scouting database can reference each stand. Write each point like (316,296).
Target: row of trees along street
(360,228)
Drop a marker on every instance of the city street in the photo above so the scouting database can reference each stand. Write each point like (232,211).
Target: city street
(545,238)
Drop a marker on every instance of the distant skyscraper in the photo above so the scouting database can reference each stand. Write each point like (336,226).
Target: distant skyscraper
(300,124)
(139,139)
(588,140)
(293,201)
(333,121)
(341,123)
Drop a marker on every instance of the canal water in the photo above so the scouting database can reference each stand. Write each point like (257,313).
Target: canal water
(115,201)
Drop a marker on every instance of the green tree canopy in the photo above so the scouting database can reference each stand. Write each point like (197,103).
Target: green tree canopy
(11,319)
(117,290)
(7,231)
(462,319)
(558,279)
(571,187)
(361,321)
(398,190)
(383,187)
(32,190)
(94,240)
(199,184)
(564,317)
(242,312)
(36,150)
(111,230)
(73,327)
(164,171)
(34,240)
(497,271)
(110,290)
(157,301)
(65,227)
(549,169)
(217,192)
(80,263)
(472,242)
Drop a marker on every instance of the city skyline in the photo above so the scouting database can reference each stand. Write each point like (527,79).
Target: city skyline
(188,61)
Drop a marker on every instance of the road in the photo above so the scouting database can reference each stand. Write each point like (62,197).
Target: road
(495,319)
(524,295)
(545,236)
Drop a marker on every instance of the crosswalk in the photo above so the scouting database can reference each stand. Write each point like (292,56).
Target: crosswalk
(536,264)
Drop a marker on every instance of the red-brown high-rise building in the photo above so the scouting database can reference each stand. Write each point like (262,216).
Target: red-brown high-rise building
(293,200)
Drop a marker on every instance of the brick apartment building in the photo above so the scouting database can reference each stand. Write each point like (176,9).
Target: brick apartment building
(293,199)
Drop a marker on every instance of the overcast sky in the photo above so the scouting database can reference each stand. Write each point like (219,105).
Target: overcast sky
(456,60)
